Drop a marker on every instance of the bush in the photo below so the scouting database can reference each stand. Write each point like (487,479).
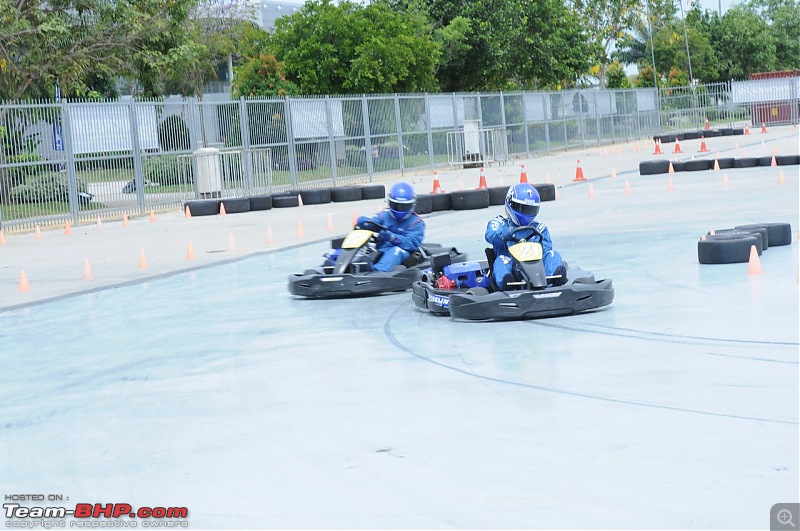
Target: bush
(173,134)
(50,187)
(168,170)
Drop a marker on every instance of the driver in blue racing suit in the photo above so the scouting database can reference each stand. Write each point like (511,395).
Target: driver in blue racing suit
(403,229)
(522,206)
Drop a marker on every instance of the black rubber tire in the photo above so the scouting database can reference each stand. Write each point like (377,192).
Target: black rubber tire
(726,163)
(261,202)
(317,196)
(712,133)
(678,165)
(737,132)
(760,234)
(653,167)
(726,131)
(668,139)
(497,195)
(285,201)
(203,207)
(777,233)
(470,199)
(746,162)
(440,202)
(235,205)
(787,160)
(693,135)
(424,204)
(343,194)
(725,249)
(547,191)
(765,161)
(373,191)
(699,164)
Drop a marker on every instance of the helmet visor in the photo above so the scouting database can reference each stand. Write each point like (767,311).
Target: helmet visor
(401,207)
(525,209)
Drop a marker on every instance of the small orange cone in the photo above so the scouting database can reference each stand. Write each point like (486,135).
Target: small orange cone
(99,224)
(658,148)
(703,238)
(270,237)
(67,229)
(774,162)
(299,200)
(708,125)
(330,223)
(523,177)
(619,151)
(142,260)
(222,211)
(591,190)
(670,185)
(2,238)
(482,182)
(703,148)
(87,270)
(38,234)
(671,168)
(725,181)
(754,264)
(579,173)
(437,186)
(300,232)
(152,217)
(231,243)
(716,164)
(355,218)
(190,255)
(746,129)
(613,173)
(187,213)
(627,188)
(23,281)
(781,178)
(763,128)
(124,220)
(677,146)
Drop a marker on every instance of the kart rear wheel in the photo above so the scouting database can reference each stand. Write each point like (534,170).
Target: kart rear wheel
(477,291)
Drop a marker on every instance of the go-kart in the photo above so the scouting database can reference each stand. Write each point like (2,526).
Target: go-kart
(467,290)
(348,271)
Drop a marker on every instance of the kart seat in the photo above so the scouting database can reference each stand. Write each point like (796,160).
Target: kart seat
(490,257)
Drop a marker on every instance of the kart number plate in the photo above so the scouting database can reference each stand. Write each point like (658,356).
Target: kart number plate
(356,239)
(526,251)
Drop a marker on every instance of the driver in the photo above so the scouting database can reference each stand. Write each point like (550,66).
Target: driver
(400,229)
(522,206)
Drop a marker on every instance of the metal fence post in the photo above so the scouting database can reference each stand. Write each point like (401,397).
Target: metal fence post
(247,162)
(429,128)
(612,99)
(546,107)
(525,125)
(399,125)
(367,136)
(72,179)
(331,140)
(598,125)
(138,174)
(290,145)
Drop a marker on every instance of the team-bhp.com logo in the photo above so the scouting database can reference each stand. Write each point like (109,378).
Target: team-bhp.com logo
(93,515)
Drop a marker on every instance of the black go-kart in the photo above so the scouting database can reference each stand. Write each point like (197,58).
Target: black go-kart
(467,290)
(352,273)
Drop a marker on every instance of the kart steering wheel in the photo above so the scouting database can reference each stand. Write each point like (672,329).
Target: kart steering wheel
(374,224)
(531,228)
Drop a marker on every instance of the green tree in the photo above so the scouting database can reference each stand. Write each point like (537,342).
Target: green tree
(329,48)
(743,41)
(783,19)
(669,44)
(616,77)
(262,76)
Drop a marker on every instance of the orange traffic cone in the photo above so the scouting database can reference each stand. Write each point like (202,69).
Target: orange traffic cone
(716,164)
(677,146)
(725,182)
(2,238)
(38,234)
(355,219)
(579,173)
(437,186)
(187,213)
(774,162)
(613,173)
(658,148)
(708,125)
(23,281)
(763,128)
(142,260)
(300,232)
(754,264)
(781,178)
(746,129)
(124,220)
(670,185)
(482,181)
(671,168)
(87,270)
(299,200)
(152,217)
(67,228)
(523,177)
(190,255)
(270,237)
(223,212)
(627,188)
(231,243)
(330,223)
(703,148)
(591,190)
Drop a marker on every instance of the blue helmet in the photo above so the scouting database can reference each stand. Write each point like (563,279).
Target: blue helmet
(522,204)
(401,199)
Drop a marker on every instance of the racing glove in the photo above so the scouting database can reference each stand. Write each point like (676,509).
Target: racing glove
(365,223)
(387,236)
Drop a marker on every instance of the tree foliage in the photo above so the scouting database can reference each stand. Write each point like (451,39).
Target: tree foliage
(262,76)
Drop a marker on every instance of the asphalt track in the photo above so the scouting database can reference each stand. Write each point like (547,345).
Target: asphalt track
(208,386)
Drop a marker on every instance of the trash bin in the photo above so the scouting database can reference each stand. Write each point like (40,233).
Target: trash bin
(209,173)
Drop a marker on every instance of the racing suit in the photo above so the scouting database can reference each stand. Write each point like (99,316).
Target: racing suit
(499,234)
(398,240)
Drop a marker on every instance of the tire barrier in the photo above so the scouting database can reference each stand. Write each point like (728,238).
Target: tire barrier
(443,201)
(731,246)
(203,207)
(373,191)
(470,199)
(285,201)
(346,193)
(655,167)
(235,205)
(260,202)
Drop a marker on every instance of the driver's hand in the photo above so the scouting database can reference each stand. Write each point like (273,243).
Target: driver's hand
(508,233)
(365,223)
(385,236)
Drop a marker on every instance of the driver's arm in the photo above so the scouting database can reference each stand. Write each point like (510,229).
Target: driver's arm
(547,243)
(497,232)
(411,238)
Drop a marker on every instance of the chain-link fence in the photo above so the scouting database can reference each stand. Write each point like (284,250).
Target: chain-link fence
(78,161)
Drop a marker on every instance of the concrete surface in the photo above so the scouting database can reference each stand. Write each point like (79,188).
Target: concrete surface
(204,384)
